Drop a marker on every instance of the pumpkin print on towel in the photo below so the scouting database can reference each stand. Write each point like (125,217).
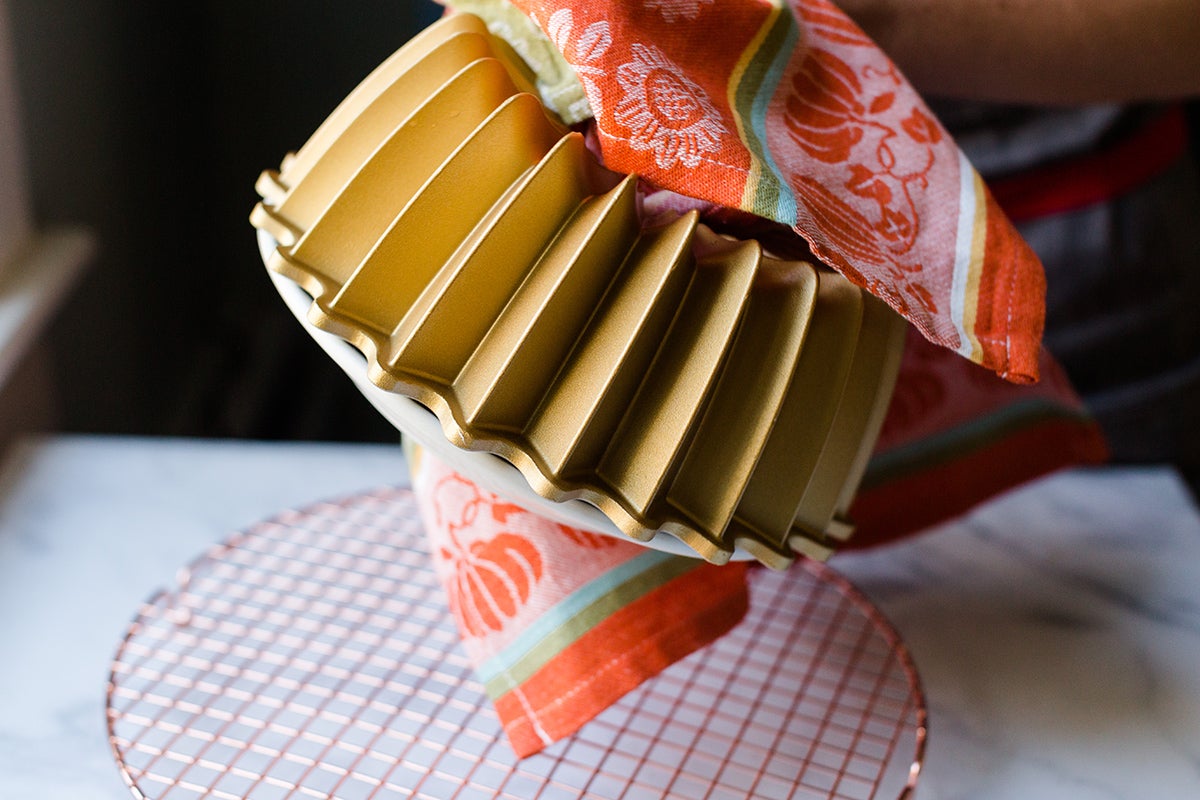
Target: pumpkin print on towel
(490,579)
(885,150)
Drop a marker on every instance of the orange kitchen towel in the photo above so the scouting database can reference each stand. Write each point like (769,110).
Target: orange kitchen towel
(560,622)
(788,111)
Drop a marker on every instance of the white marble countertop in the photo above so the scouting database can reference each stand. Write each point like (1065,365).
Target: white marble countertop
(1057,631)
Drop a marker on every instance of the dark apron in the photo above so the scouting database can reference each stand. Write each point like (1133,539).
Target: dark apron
(1109,198)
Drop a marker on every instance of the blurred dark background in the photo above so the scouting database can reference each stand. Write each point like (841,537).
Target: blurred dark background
(148,123)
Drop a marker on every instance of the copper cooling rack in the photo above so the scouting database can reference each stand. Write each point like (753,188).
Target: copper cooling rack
(313,656)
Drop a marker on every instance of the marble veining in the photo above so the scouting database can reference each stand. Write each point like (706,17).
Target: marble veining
(1057,629)
(1058,637)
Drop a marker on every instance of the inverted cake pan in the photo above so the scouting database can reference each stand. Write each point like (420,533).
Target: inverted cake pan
(464,257)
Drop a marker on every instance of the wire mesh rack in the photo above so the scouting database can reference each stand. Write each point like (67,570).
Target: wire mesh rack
(313,655)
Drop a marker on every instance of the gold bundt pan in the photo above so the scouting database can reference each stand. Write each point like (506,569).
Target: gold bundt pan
(488,267)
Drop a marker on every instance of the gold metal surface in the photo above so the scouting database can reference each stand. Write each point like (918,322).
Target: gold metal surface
(296,165)
(488,267)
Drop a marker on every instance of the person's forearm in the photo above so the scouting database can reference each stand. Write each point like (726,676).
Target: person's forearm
(1040,51)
